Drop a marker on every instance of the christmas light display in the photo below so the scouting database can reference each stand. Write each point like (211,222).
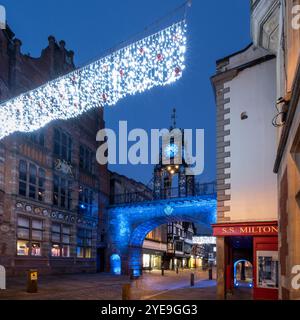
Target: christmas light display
(156,60)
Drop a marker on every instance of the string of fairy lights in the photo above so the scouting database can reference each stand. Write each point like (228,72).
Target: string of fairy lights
(156,60)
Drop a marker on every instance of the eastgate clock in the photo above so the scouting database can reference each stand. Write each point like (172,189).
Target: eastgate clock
(171,150)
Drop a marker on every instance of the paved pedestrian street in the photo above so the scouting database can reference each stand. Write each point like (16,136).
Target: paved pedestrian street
(151,286)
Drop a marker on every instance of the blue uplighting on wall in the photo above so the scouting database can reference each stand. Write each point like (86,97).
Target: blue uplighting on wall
(115,263)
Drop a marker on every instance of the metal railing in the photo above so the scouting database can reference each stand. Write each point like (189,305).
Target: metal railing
(168,193)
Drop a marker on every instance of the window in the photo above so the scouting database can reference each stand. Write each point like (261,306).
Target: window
(267,269)
(30,236)
(86,199)
(37,138)
(150,235)
(62,192)
(86,157)
(62,145)
(179,246)
(84,243)
(31,181)
(61,239)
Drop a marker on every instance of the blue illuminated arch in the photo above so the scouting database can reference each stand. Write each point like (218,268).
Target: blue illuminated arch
(235,271)
(130,224)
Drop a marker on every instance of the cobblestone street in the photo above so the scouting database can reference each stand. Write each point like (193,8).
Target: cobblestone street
(152,286)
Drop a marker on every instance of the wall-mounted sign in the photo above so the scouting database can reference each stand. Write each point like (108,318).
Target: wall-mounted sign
(204,240)
(33,276)
(246,229)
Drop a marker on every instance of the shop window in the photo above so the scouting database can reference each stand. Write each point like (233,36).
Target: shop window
(31,181)
(146,260)
(267,269)
(84,243)
(30,236)
(55,250)
(61,239)
(80,252)
(23,248)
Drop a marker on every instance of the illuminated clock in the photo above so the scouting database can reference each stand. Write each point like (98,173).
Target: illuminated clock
(171,150)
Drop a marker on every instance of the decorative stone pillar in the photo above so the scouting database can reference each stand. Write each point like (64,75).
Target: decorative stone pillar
(221,268)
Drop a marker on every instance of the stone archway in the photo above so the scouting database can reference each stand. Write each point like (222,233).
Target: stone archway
(129,224)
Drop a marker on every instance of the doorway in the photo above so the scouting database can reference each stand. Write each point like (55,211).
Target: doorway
(243,274)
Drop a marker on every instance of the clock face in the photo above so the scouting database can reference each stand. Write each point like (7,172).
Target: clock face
(171,150)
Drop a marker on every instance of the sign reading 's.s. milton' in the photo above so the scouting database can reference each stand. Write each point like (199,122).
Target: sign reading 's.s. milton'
(2,17)
(246,229)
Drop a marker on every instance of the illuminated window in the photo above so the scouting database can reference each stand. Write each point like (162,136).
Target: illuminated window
(30,236)
(35,249)
(88,253)
(80,252)
(55,250)
(146,260)
(61,239)
(22,248)
(84,243)
(150,235)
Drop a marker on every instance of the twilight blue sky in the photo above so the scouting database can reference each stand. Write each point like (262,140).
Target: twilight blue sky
(215,29)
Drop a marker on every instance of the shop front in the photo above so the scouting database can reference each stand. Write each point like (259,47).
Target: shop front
(152,260)
(250,253)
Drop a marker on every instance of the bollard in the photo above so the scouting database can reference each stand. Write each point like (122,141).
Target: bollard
(126,292)
(162,271)
(192,279)
(177,270)
(2,278)
(132,275)
(32,279)
(210,274)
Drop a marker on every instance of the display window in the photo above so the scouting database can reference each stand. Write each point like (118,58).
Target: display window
(267,269)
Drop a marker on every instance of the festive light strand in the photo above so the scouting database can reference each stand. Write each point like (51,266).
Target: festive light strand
(156,60)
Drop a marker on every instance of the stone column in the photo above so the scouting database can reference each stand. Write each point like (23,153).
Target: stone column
(221,268)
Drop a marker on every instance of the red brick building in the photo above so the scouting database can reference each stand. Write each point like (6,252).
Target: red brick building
(53,193)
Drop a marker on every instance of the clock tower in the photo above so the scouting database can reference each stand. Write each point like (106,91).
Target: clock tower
(170,179)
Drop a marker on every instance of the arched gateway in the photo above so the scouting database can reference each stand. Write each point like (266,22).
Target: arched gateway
(130,223)
(175,197)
